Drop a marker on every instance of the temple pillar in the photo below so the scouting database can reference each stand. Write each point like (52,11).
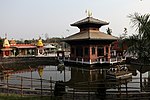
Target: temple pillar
(20,52)
(25,52)
(96,51)
(90,50)
(38,51)
(74,52)
(3,53)
(109,52)
(104,50)
(10,53)
(14,51)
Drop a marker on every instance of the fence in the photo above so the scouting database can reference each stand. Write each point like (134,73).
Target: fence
(26,86)
(110,90)
(95,90)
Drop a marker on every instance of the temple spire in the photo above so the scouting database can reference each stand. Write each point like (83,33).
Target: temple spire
(5,35)
(6,43)
(40,43)
(88,13)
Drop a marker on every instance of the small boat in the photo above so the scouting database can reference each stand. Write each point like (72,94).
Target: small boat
(119,72)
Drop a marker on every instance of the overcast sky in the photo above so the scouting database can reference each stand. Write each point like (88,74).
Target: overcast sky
(29,19)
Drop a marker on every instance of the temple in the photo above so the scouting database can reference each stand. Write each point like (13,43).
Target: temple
(90,45)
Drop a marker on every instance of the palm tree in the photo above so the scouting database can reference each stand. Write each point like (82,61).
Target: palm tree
(139,44)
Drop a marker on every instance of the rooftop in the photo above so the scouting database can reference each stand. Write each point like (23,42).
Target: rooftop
(89,30)
(90,20)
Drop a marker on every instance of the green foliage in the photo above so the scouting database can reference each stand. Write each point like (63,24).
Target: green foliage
(1,42)
(139,44)
(27,41)
(142,24)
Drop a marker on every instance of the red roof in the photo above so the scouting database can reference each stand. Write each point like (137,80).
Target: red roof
(23,46)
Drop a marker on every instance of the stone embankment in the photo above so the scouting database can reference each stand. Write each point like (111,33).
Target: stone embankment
(37,60)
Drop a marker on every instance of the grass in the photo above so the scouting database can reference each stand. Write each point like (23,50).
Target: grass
(18,97)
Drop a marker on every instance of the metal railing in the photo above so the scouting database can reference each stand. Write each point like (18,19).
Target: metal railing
(93,61)
(26,86)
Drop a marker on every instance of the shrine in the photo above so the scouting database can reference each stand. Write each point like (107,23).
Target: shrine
(6,50)
(90,45)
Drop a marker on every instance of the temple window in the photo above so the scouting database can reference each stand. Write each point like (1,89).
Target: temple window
(72,50)
(106,49)
(100,51)
(86,51)
(79,51)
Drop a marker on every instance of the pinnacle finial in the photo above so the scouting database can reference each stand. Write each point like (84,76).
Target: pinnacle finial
(89,13)
(5,35)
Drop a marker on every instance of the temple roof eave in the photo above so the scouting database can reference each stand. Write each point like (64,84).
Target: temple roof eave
(82,24)
(88,39)
(90,36)
(6,49)
(90,20)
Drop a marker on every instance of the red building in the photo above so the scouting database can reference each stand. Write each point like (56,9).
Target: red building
(13,49)
(90,45)
(118,48)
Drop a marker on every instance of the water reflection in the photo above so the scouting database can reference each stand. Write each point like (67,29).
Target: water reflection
(94,78)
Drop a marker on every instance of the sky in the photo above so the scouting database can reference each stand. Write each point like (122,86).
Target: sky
(28,19)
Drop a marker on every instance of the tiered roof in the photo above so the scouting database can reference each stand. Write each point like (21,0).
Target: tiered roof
(90,20)
(88,24)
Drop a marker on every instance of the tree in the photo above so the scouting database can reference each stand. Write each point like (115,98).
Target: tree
(142,24)
(1,42)
(140,43)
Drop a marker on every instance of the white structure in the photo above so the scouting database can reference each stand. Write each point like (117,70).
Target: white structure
(49,50)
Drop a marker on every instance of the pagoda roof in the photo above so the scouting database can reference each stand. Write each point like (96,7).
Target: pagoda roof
(90,20)
(90,36)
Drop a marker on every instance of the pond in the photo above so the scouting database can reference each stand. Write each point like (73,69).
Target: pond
(75,77)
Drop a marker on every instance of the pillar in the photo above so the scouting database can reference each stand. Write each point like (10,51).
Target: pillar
(104,50)
(25,51)
(109,52)
(3,53)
